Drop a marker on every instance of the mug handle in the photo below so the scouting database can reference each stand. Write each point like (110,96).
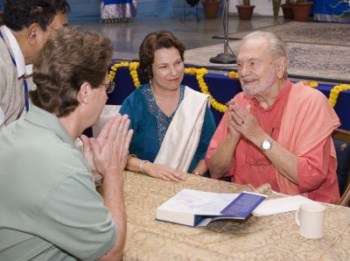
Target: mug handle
(297,217)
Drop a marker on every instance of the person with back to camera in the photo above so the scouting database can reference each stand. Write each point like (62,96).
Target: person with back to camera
(172,123)
(49,206)
(27,26)
(275,131)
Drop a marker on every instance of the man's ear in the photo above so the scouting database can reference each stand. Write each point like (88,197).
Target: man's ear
(32,32)
(282,64)
(84,93)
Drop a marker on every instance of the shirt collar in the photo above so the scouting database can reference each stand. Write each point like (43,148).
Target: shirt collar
(284,92)
(15,50)
(48,121)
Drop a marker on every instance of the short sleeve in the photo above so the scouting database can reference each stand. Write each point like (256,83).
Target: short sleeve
(75,219)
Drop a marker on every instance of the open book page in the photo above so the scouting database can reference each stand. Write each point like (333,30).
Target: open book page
(199,202)
(280,205)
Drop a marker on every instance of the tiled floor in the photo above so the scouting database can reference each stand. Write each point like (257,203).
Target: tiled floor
(127,37)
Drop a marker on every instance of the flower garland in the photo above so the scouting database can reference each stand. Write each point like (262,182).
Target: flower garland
(334,93)
(201,72)
(312,84)
(134,74)
(114,68)
(133,66)
(333,96)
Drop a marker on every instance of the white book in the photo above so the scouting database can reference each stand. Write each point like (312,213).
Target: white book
(199,208)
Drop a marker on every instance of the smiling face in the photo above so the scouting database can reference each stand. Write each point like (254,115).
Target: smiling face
(168,69)
(256,67)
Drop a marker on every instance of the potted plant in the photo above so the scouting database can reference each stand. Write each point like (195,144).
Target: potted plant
(287,9)
(245,9)
(276,4)
(211,8)
(301,10)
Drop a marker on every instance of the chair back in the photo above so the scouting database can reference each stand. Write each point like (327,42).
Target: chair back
(341,140)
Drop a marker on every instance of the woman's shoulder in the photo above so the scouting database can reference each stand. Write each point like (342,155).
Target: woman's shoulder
(190,91)
(138,93)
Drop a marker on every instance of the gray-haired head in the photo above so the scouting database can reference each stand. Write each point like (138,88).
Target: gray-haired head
(275,44)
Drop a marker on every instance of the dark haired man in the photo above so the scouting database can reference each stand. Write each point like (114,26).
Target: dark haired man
(27,26)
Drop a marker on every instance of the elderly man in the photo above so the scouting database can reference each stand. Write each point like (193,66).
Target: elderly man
(28,25)
(49,207)
(275,132)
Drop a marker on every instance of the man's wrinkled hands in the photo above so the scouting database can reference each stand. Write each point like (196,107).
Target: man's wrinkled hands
(110,149)
(243,121)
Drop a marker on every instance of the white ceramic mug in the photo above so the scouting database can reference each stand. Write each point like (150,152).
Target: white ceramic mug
(309,218)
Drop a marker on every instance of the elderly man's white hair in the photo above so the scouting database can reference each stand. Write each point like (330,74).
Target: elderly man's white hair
(276,45)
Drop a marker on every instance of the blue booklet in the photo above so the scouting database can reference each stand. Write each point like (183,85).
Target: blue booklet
(243,205)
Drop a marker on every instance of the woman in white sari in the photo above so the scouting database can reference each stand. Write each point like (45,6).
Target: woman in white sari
(172,123)
(117,10)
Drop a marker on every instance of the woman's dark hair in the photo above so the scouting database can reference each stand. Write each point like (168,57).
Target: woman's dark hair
(19,14)
(67,60)
(153,42)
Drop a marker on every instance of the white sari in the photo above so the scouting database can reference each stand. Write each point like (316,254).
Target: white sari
(182,137)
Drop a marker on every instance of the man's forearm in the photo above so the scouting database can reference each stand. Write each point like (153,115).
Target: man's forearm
(283,160)
(222,158)
(113,195)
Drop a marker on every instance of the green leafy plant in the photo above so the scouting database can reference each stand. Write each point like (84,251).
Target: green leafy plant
(276,4)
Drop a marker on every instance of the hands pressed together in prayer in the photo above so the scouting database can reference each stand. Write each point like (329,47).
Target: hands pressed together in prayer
(242,122)
(108,153)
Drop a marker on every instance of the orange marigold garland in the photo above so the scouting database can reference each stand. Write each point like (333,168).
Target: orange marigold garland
(114,69)
(134,74)
(336,90)
(201,72)
(312,84)
(233,75)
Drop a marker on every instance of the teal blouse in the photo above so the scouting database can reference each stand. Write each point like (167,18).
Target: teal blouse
(150,125)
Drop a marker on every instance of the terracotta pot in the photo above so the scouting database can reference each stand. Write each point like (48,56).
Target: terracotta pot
(245,12)
(210,9)
(287,11)
(301,11)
